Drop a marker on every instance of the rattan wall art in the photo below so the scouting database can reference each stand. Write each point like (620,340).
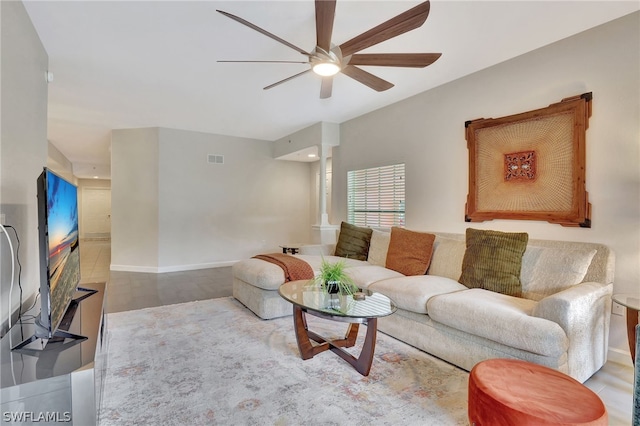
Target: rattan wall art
(530,166)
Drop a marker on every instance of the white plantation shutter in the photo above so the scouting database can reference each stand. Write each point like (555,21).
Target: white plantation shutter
(376,196)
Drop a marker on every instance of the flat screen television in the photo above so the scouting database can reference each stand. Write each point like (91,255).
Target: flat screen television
(59,249)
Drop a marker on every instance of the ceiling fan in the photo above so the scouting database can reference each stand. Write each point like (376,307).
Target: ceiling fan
(327,59)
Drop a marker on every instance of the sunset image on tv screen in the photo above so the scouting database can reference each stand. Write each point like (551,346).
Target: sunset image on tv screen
(64,256)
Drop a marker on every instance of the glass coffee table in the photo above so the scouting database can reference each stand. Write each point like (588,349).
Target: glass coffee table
(309,299)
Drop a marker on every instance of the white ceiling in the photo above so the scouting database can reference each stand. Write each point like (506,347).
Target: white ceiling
(125,64)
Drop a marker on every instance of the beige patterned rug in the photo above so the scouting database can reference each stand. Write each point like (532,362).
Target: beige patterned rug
(214,362)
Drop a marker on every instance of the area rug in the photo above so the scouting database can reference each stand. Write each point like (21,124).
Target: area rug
(214,362)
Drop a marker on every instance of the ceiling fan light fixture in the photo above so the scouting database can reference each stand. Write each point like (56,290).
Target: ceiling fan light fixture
(326,63)
(326,69)
(327,59)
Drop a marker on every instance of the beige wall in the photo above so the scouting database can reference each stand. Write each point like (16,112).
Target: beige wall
(172,210)
(134,198)
(427,133)
(23,145)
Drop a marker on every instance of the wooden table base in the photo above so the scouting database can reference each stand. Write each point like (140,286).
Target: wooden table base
(632,321)
(308,350)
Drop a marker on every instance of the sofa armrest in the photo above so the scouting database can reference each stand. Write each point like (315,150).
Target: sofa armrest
(318,249)
(572,306)
(583,311)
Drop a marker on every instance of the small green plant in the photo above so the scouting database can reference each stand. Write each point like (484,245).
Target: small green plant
(334,275)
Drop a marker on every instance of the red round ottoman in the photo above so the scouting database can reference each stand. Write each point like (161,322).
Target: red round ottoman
(514,392)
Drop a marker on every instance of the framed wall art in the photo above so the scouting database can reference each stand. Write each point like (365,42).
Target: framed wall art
(530,166)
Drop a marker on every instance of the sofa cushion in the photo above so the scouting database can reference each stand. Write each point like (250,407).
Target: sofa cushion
(546,271)
(353,241)
(409,251)
(493,260)
(364,276)
(259,273)
(379,247)
(501,318)
(447,258)
(413,293)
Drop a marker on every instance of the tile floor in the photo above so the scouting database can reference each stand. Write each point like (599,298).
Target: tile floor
(132,290)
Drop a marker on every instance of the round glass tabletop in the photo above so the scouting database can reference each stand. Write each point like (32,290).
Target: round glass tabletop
(628,300)
(309,296)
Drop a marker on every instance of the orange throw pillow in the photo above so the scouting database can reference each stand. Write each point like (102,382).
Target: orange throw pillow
(409,251)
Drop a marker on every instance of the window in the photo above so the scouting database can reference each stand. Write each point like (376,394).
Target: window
(376,196)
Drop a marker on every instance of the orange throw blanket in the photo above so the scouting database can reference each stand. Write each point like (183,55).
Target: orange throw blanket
(294,268)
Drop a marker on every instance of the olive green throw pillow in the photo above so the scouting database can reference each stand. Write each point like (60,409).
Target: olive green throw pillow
(353,241)
(493,261)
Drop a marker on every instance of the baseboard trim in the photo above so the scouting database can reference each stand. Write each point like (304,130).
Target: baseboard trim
(133,268)
(175,268)
(178,268)
(619,356)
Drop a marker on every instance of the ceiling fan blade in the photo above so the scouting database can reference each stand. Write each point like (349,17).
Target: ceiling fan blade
(407,21)
(270,62)
(326,87)
(410,60)
(325,12)
(260,30)
(286,79)
(368,79)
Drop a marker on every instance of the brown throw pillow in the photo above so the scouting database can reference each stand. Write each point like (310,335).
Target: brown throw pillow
(409,251)
(353,241)
(493,261)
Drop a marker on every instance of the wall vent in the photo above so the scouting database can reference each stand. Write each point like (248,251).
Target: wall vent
(215,159)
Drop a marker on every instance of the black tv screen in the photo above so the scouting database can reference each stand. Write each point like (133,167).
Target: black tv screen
(59,248)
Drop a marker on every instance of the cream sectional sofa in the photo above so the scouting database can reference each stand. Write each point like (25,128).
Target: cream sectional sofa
(557,323)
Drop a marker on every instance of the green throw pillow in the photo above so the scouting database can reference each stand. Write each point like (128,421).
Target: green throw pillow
(493,261)
(353,241)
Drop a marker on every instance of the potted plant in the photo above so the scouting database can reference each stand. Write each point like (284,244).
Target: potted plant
(334,279)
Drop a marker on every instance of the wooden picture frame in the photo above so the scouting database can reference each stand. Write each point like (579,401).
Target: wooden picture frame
(530,166)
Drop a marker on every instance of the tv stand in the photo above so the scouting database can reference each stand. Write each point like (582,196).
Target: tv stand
(66,377)
(62,332)
(88,291)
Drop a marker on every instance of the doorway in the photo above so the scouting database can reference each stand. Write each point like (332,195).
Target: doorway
(96,212)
